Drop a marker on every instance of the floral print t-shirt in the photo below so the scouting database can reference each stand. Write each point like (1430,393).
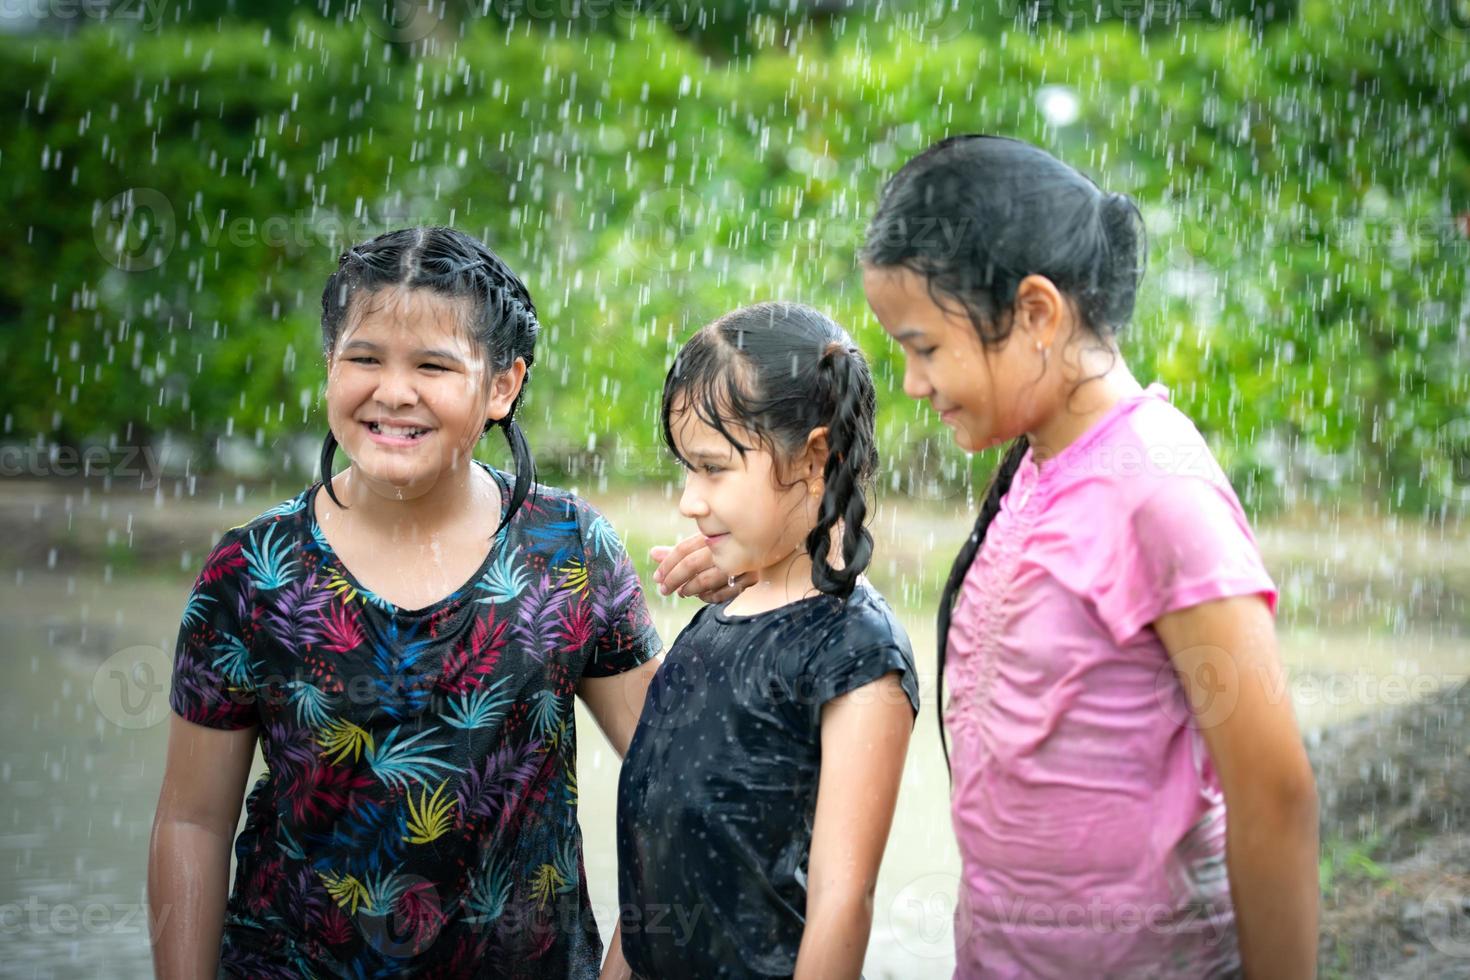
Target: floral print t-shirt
(419,813)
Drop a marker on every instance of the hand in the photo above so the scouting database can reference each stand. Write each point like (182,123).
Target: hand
(689,569)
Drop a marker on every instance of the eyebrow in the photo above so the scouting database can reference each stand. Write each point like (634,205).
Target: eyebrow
(421,352)
(908,335)
(706,454)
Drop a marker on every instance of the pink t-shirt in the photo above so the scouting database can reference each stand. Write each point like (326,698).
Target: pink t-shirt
(1090,819)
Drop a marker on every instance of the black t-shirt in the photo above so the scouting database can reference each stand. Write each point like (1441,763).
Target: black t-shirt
(719,788)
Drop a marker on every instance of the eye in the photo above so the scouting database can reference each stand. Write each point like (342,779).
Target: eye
(925,352)
(436,367)
(363,360)
(711,468)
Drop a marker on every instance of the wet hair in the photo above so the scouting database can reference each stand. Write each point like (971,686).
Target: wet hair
(973,216)
(778,371)
(497,311)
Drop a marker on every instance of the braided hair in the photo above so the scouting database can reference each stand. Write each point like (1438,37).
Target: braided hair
(501,317)
(779,371)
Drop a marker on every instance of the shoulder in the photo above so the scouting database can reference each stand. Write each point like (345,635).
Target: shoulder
(555,514)
(865,643)
(863,621)
(292,510)
(277,530)
(1153,450)
(269,540)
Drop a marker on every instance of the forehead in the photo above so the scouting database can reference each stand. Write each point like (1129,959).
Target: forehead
(900,298)
(407,317)
(696,437)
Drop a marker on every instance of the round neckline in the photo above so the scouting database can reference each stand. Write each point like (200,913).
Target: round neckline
(1041,472)
(392,608)
(723,617)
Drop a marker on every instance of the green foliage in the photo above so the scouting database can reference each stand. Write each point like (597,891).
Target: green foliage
(1306,187)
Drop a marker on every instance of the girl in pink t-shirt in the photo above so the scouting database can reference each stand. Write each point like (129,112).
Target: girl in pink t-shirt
(1131,794)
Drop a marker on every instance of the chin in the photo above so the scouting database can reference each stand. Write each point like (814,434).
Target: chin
(416,475)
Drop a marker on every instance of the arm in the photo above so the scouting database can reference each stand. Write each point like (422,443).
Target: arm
(189,853)
(615,703)
(865,736)
(1226,657)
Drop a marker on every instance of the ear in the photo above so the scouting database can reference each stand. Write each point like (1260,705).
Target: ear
(814,456)
(504,387)
(1041,311)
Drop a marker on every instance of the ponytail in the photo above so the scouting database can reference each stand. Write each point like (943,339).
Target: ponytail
(525,472)
(1000,483)
(329,450)
(851,457)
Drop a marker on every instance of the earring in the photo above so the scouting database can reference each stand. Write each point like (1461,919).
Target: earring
(817,489)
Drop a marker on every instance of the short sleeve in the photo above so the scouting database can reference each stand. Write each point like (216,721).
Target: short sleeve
(1187,543)
(623,632)
(212,682)
(839,668)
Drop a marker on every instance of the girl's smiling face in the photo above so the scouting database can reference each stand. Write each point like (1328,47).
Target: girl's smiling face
(407,392)
(987,396)
(750,521)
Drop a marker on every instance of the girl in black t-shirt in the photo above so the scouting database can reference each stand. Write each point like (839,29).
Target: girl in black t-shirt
(405,640)
(756,797)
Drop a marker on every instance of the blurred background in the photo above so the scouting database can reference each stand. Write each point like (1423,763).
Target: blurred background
(182,177)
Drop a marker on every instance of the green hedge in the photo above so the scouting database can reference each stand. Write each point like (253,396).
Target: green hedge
(1306,191)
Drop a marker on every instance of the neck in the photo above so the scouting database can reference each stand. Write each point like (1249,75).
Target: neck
(1083,403)
(777,585)
(459,492)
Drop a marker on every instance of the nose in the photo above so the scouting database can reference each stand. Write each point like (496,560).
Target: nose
(691,502)
(395,387)
(915,384)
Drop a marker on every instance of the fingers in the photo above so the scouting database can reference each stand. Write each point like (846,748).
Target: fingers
(689,569)
(726,592)
(680,563)
(707,580)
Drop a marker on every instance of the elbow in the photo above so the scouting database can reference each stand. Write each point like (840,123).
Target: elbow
(846,901)
(1289,800)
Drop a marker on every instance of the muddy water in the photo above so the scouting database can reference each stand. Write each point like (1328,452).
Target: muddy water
(82,759)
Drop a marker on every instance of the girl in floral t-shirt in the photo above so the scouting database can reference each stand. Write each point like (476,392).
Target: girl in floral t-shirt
(405,640)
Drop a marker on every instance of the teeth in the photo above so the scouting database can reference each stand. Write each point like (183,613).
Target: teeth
(398,431)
